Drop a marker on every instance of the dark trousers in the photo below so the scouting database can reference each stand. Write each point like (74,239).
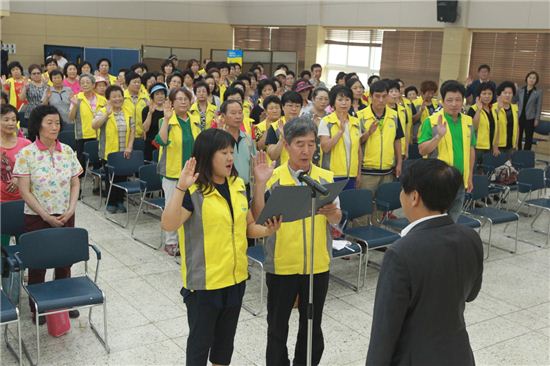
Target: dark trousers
(117,195)
(33,223)
(527,126)
(282,292)
(79,150)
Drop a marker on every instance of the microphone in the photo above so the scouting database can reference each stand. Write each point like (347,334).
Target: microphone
(312,183)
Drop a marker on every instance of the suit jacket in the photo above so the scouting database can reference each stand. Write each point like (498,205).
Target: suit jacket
(425,280)
(533,108)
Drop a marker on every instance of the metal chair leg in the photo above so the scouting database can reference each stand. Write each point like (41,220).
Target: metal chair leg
(37,319)
(103,340)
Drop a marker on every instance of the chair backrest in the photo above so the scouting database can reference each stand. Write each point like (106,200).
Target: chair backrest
(139,144)
(387,196)
(148,174)
(54,247)
(530,179)
(123,166)
(12,217)
(155,156)
(543,128)
(481,187)
(523,159)
(68,127)
(407,164)
(491,162)
(92,149)
(67,137)
(356,202)
(414,153)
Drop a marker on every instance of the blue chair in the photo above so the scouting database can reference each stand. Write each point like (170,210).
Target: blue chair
(9,313)
(91,156)
(67,137)
(118,165)
(12,223)
(414,153)
(256,256)
(523,159)
(139,144)
(489,163)
(491,215)
(358,203)
(153,183)
(387,199)
(61,247)
(532,180)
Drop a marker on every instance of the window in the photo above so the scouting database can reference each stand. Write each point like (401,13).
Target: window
(353,50)
(511,56)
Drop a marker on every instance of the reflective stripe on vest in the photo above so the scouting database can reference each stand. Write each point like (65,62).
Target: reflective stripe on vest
(135,110)
(379,149)
(336,160)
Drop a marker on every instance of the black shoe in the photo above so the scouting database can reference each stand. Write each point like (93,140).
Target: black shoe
(41,320)
(73,314)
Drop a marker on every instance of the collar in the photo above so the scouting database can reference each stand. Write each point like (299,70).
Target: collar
(409,227)
(449,118)
(377,117)
(43,147)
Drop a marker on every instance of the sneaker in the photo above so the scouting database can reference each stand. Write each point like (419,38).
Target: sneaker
(171,249)
(120,207)
(41,320)
(111,208)
(73,314)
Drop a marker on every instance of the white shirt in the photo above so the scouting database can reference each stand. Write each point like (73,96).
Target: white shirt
(409,227)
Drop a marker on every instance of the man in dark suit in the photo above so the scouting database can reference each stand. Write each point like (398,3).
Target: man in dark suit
(426,277)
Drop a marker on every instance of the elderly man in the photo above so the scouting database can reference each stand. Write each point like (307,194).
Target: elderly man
(287,252)
(424,284)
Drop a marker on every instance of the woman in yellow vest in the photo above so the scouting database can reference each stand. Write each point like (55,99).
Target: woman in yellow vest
(177,133)
(425,106)
(15,84)
(210,202)
(103,66)
(507,118)
(340,135)
(484,120)
(205,110)
(116,130)
(83,107)
(272,107)
(135,100)
(394,102)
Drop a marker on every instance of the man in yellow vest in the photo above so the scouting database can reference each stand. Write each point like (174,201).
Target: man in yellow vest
(449,135)
(287,253)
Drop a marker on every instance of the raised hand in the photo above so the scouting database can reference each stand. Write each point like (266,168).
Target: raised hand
(262,170)
(188,176)
(108,108)
(468,81)
(478,103)
(168,111)
(48,94)
(500,105)
(281,128)
(441,127)
(373,128)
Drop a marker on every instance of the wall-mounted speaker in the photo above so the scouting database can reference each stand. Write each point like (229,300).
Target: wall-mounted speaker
(447,10)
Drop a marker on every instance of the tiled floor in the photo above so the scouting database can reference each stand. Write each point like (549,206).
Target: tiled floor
(508,323)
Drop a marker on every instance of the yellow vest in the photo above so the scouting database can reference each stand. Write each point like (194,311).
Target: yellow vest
(427,112)
(135,110)
(13,94)
(285,251)
(171,156)
(259,130)
(444,150)
(483,132)
(336,160)
(502,125)
(408,126)
(246,109)
(379,149)
(108,135)
(85,115)
(222,88)
(46,75)
(210,113)
(212,243)
(112,79)
(284,154)
(402,116)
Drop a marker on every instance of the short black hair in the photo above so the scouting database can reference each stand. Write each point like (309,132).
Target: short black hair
(146,76)
(174,75)
(103,59)
(281,66)
(15,64)
(166,63)
(271,99)
(411,88)
(8,108)
(139,65)
(318,90)
(504,85)
(263,83)
(66,67)
(55,72)
(371,78)
(304,73)
(223,65)
(83,64)
(58,52)
(292,97)
(314,66)
(5,100)
(532,73)
(211,65)
(290,72)
(351,75)
(393,84)
(227,103)
(452,86)
(242,77)
(337,91)
(201,84)
(486,86)
(36,117)
(238,82)
(189,73)
(341,75)
(484,66)
(113,88)
(379,86)
(131,75)
(49,60)
(436,182)
(232,91)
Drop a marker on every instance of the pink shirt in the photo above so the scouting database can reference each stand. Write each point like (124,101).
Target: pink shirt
(7,161)
(75,87)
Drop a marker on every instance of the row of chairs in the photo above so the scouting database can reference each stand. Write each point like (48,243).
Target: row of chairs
(45,249)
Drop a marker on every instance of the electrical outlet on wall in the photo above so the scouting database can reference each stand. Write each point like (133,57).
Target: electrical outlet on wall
(10,47)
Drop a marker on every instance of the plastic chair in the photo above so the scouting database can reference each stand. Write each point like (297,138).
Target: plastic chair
(153,183)
(67,137)
(13,224)
(351,250)
(256,256)
(491,215)
(529,181)
(91,156)
(414,153)
(358,203)
(387,199)
(118,165)
(139,144)
(522,159)
(62,247)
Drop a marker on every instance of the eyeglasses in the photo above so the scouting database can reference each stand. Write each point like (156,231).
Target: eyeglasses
(35,73)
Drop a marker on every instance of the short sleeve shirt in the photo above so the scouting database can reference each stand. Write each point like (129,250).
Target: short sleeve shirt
(50,174)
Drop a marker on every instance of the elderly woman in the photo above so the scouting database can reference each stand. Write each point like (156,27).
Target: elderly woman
(202,106)
(34,91)
(15,84)
(59,95)
(47,175)
(103,66)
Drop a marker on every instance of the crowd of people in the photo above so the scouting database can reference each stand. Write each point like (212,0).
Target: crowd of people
(225,138)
